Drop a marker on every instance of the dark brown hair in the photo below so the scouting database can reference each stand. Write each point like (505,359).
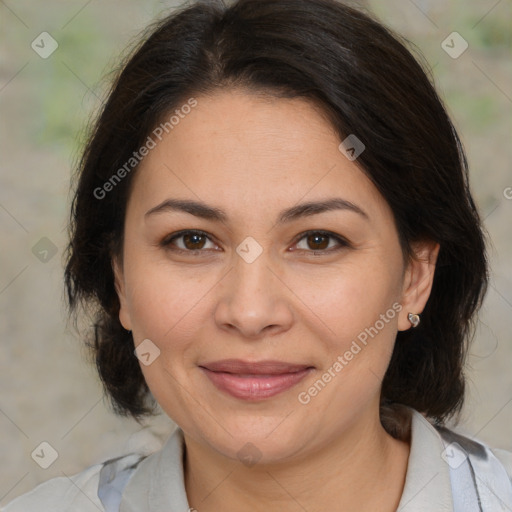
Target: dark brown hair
(368,84)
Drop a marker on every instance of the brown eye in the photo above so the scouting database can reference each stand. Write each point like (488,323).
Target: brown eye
(321,242)
(193,241)
(318,242)
(188,241)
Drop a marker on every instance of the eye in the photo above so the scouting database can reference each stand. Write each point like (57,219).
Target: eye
(196,241)
(320,241)
(188,241)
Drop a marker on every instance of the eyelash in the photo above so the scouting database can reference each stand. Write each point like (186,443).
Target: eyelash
(167,241)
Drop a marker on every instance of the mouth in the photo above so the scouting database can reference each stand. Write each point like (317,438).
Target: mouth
(254,381)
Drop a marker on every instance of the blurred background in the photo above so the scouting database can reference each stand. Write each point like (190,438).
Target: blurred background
(54,59)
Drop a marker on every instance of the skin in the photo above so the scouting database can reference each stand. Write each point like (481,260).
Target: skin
(253,156)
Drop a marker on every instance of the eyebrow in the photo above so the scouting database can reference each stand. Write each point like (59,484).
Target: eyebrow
(207,212)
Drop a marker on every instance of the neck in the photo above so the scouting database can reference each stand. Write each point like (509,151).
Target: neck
(361,469)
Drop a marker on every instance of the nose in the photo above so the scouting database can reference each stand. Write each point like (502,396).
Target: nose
(253,301)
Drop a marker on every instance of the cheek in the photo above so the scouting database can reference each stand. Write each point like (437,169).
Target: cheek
(166,307)
(355,319)
(163,302)
(351,298)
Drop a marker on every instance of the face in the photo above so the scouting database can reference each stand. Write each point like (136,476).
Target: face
(306,300)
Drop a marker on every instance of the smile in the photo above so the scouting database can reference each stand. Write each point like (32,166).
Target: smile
(254,381)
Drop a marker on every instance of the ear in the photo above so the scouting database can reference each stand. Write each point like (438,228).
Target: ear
(418,280)
(124,317)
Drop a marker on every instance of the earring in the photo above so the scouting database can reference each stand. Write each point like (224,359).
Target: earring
(414,319)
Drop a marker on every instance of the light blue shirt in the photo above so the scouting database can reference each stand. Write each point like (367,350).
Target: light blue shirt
(446,472)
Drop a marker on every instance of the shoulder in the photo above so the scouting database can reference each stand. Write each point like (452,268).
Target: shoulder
(478,451)
(76,492)
(100,487)
(479,473)
(453,471)
(505,457)
(469,446)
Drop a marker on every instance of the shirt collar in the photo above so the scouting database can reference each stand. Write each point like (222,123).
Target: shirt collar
(159,484)
(427,482)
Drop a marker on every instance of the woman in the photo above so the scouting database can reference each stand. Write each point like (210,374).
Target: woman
(274,223)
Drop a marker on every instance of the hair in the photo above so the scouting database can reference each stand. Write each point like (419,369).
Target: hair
(367,83)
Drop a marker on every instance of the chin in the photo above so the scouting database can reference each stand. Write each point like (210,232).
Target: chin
(255,439)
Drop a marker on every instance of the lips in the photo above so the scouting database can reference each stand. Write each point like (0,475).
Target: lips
(254,380)
(254,368)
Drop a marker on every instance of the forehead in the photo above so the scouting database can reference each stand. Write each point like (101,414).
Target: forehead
(244,151)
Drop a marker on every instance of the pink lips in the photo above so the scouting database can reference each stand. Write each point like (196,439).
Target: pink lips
(256,380)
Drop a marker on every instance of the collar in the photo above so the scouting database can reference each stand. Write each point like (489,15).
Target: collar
(158,483)
(427,482)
